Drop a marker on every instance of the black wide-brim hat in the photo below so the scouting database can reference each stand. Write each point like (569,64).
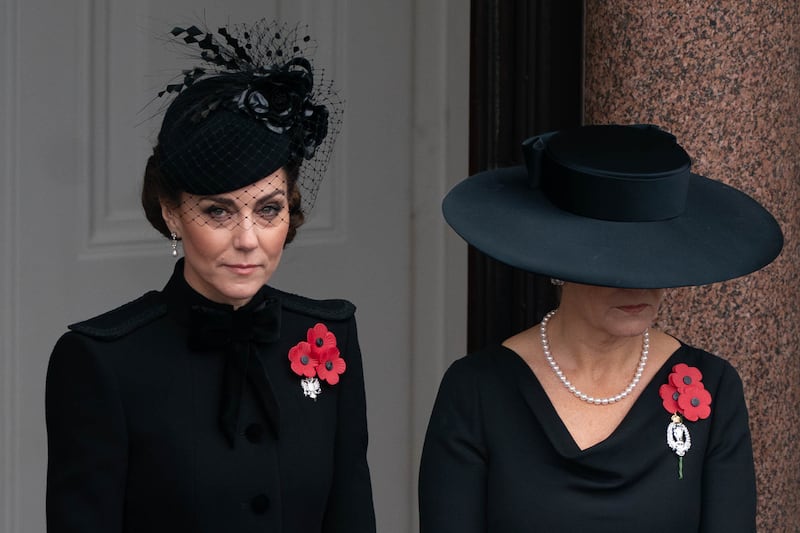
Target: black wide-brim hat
(614,206)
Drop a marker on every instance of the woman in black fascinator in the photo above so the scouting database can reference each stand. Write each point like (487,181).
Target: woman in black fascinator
(220,403)
(593,420)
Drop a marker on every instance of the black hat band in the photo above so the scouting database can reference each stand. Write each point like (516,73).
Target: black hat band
(588,189)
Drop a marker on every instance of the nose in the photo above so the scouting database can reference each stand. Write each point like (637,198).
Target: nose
(245,237)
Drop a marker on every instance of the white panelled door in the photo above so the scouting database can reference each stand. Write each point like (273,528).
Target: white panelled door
(76,75)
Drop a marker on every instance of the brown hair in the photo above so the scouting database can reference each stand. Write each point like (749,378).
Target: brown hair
(156,187)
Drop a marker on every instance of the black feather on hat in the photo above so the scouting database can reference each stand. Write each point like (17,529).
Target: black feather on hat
(252,106)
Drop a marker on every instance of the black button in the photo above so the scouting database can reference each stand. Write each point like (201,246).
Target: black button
(260,504)
(254,433)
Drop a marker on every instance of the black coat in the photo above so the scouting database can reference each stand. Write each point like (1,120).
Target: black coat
(134,434)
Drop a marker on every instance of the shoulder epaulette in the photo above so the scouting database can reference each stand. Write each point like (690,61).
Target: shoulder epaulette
(124,319)
(322,309)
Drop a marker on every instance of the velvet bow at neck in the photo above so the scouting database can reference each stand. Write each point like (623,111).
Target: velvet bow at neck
(237,333)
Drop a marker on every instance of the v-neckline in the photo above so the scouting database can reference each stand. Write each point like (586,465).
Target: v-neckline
(562,439)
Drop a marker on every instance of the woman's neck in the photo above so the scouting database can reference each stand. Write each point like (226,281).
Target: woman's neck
(580,346)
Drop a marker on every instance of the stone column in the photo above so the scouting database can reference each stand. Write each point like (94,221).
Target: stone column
(724,77)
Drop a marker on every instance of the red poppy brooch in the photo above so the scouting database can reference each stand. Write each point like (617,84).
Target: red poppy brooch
(317,358)
(684,395)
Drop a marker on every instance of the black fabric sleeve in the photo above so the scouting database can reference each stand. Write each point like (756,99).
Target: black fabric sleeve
(350,508)
(87,441)
(728,492)
(452,480)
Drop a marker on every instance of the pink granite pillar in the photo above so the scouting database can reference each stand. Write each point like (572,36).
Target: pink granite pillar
(724,77)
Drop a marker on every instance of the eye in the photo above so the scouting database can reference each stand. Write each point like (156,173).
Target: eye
(270,211)
(218,213)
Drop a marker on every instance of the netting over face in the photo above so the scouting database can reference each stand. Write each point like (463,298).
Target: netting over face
(262,205)
(253,104)
(232,241)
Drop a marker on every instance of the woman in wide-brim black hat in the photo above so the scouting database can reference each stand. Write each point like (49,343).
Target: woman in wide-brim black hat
(591,420)
(220,403)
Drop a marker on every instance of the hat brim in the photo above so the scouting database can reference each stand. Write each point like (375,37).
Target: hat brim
(722,234)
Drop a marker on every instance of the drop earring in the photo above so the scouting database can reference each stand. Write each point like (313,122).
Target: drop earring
(557,282)
(174,244)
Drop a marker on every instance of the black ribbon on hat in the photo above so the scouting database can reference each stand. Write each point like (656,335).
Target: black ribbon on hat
(238,333)
(611,172)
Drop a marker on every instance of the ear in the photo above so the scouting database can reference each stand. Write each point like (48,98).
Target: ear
(170,216)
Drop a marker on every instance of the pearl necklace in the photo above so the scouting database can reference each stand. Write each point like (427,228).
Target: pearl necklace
(578,394)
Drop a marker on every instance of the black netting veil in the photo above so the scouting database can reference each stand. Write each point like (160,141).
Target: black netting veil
(251,105)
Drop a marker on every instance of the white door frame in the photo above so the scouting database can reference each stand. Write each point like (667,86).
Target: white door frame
(440,159)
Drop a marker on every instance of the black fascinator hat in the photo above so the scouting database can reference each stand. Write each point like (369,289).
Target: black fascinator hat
(253,104)
(615,206)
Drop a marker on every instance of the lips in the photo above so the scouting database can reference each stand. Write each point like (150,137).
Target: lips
(242,270)
(633,308)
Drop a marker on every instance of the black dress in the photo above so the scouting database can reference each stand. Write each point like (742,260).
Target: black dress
(497,458)
(135,439)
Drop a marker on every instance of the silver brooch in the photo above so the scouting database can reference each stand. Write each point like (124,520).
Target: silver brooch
(311,387)
(679,440)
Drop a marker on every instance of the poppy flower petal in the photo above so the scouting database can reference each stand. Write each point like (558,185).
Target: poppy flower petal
(303,362)
(339,365)
(320,339)
(684,375)
(695,403)
(330,367)
(331,377)
(669,396)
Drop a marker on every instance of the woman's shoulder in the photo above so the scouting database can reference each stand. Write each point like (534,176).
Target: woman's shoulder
(109,336)
(689,353)
(480,367)
(326,309)
(123,320)
(715,369)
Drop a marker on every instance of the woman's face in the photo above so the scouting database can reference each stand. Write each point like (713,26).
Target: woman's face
(618,312)
(232,242)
